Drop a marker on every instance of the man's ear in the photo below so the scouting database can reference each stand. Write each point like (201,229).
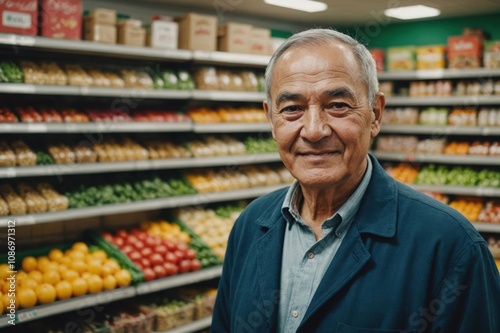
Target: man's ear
(378,110)
(267,110)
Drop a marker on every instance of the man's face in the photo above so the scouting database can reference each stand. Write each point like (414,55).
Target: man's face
(320,116)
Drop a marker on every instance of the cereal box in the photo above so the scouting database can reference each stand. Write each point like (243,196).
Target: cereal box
(492,54)
(401,58)
(19,16)
(465,51)
(431,57)
(61,19)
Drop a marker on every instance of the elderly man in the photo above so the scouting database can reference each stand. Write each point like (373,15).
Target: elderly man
(346,248)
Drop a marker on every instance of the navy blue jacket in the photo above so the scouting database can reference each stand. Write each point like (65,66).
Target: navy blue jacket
(407,264)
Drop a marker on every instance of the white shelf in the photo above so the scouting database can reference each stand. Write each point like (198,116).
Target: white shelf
(172,163)
(440,130)
(482,73)
(439,158)
(105,297)
(137,206)
(486,227)
(191,327)
(443,101)
(460,190)
(229,96)
(225,58)
(231,127)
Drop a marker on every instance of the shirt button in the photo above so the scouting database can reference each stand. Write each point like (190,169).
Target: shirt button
(310,255)
(295,313)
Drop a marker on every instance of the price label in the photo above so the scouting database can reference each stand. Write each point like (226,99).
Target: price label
(27,315)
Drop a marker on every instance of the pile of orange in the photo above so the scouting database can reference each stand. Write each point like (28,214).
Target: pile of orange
(61,275)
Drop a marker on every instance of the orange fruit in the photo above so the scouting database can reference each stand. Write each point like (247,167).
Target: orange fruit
(99,254)
(4,271)
(26,297)
(105,271)
(109,282)
(46,293)
(123,278)
(76,255)
(85,275)
(36,275)
(64,290)
(94,266)
(94,283)
(62,268)
(66,261)
(6,302)
(112,264)
(79,287)
(80,247)
(21,275)
(51,277)
(50,266)
(6,287)
(79,266)
(56,255)
(29,264)
(69,275)
(29,283)
(1,306)
(42,261)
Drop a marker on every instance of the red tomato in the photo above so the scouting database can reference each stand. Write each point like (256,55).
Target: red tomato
(171,269)
(135,256)
(190,254)
(145,262)
(139,244)
(118,241)
(127,249)
(156,259)
(184,266)
(138,264)
(142,235)
(171,258)
(107,236)
(150,241)
(159,271)
(146,252)
(149,274)
(170,246)
(121,233)
(160,249)
(131,240)
(180,255)
(195,265)
(182,247)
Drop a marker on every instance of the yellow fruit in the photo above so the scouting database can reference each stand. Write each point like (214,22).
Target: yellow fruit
(1,306)
(109,282)
(21,275)
(79,287)
(29,283)
(85,275)
(99,254)
(29,264)
(79,266)
(26,297)
(80,247)
(51,277)
(70,275)
(123,278)
(94,266)
(113,265)
(74,255)
(62,269)
(64,290)
(105,271)
(56,255)
(4,271)
(6,302)
(36,275)
(6,287)
(94,282)
(50,266)
(42,261)
(66,261)
(45,293)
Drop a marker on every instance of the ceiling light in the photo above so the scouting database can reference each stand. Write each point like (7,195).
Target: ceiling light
(303,5)
(412,12)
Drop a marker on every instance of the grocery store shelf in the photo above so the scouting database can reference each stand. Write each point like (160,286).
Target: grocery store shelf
(93,48)
(97,127)
(105,297)
(225,58)
(191,327)
(486,227)
(172,163)
(439,158)
(464,101)
(179,280)
(460,190)
(440,130)
(476,73)
(229,96)
(231,127)
(145,205)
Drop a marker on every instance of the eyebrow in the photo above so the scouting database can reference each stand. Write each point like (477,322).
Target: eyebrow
(288,96)
(340,92)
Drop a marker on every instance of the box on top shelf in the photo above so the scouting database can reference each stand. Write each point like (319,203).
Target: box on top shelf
(379,57)
(465,51)
(234,37)
(492,54)
(100,26)
(401,58)
(103,16)
(131,32)
(19,16)
(431,57)
(260,41)
(61,19)
(163,33)
(197,32)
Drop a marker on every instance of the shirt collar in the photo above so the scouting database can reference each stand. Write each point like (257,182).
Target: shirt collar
(341,220)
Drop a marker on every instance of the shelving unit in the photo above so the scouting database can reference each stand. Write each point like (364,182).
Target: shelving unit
(439,158)
(441,130)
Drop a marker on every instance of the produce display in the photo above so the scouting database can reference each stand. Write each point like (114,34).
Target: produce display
(260,145)
(206,115)
(403,172)
(449,88)
(400,116)
(60,273)
(10,72)
(457,175)
(21,199)
(433,116)
(494,246)
(491,212)
(215,146)
(211,78)
(470,207)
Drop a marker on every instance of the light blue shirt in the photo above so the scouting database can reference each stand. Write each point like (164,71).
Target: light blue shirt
(306,260)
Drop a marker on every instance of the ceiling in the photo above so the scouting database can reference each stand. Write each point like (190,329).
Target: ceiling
(339,12)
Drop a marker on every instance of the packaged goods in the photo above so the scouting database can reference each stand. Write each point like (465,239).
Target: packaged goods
(260,41)
(197,32)
(19,16)
(206,78)
(74,116)
(163,33)
(465,51)
(24,155)
(131,32)
(7,116)
(84,154)
(379,57)
(4,208)
(61,19)
(492,54)
(77,76)
(61,153)
(7,155)
(16,204)
(136,78)
(32,72)
(103,16)
(53,73)
(29,115)
(100,33)
(401,58)
(35,202)
(431,57)
(234,37)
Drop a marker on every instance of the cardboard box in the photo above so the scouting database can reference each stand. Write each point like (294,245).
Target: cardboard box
(465,51)
(431,57)
(100,33)
(197,32)
(401,58)
(19,16)
(234,37)
(492,54)
(260,41)
(379,57)
(163,34)
(61,19)
(103,16)
(131,32)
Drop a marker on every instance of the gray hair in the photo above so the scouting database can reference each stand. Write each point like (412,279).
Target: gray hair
(323,36)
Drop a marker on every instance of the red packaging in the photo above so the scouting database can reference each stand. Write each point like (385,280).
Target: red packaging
(465,51)
(19,16)
(379,57)
(61,19)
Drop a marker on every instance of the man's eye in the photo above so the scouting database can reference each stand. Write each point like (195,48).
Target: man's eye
(291,108)
(338,105)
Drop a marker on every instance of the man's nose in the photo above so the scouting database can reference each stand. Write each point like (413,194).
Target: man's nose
(315,124)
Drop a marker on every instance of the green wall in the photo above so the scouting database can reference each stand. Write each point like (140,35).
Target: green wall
(423,32)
